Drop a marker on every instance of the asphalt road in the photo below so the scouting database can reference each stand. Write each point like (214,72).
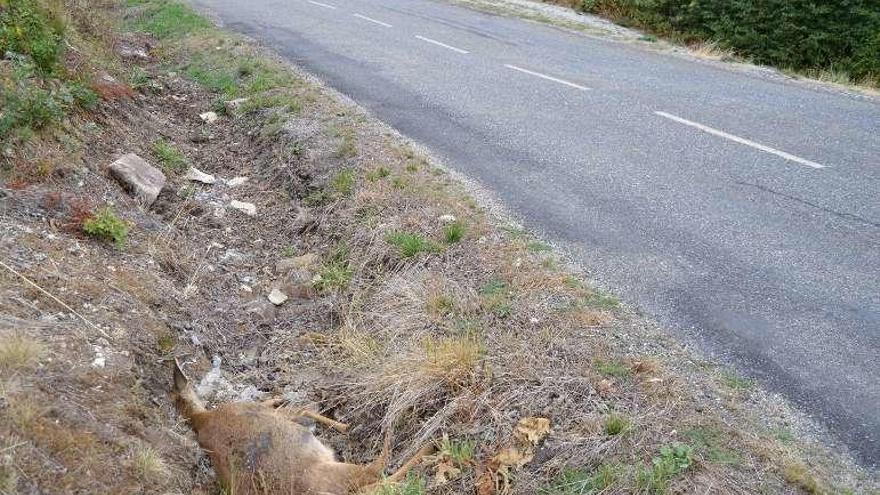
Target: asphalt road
(736,208)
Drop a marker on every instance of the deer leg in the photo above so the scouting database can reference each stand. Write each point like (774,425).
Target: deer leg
(305,413)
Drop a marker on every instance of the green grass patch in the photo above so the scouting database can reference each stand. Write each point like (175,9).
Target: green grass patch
(454,232)
(460,452)
(615,424)
(495,297)
(107,226)
(711,443)
(343,182)
(601,300)
(735,382)
(583,482)
(409,244)
(170,158)
(378,173)
(537,247)
(412,485)
(671,461)
(615,369)
(335,272)
(168,19)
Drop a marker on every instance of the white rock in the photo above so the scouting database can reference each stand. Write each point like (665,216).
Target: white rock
(236,181)
(447,218)
(100,360)
(209,117)
(197,175)
(138,177)
(248,208)
(277,297)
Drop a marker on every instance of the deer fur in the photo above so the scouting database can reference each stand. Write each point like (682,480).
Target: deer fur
(257,448)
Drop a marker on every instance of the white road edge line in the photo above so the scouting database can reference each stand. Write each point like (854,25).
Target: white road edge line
(319,4)
(370,19)
(549,78)
(737,139)
(444,45)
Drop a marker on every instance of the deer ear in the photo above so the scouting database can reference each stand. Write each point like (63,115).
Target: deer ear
(180,381)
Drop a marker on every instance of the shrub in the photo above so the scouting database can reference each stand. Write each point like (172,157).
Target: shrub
(454,232)
(28,29)
(106,225)
(409,245)
(797,34)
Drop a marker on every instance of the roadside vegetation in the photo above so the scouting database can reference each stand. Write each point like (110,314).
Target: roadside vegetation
(832,41)
(326,261)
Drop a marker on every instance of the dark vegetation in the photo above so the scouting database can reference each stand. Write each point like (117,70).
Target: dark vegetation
(840,36)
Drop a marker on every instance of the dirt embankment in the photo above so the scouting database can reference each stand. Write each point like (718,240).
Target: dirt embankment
(321,258)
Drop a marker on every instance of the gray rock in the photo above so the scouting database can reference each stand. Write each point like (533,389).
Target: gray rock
(197,175)
(236,181)
(138,177)
(249,209)
(209,117)
(277,297)
(303,262)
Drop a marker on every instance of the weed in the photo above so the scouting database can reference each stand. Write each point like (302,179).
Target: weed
(171,159)
(335,273)
(799,475)
(614,369)
(148,464)
(460,452)
(454,232)
(496,298)
(166,19)
(453,360)
(343,182)
(378,173)
(583,482)
(410,244)
(28,29)
(399,183)
(650,38)
(412,485)
(19,351)
(615,424)
(735,382)
(347,147)
(106,225)
(784,435)
(165,343)
(712,443)
(288,252)
(537,247)
(440,305)
(214,79)
(412,167)
(139,78)
(673,460)
(285,103)
(599,299)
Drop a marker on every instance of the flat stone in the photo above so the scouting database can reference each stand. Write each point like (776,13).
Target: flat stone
(236,181)
(138,177)
(248,208)
(197,175)
(209,117)
(277,297)
(262,309)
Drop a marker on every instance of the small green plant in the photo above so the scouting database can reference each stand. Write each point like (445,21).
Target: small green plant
(460,452)
(538,247)
(454,232)
(601,300)
(614,369)
(615,424)
(288,252)
(496,298)
(378,173)
(412,485)
(409,244)
(399,183)
(440,305)
(106,225)
(171,159)
(673,460)
(336,272)
(412,167)
(343,182)
(650,38)
(583,482)
(711,443)
(28,29)
(735,382)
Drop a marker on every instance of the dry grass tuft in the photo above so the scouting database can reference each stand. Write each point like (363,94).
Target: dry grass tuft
(19,351)
(148,464)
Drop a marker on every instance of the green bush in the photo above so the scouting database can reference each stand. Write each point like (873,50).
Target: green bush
(28,29)
(843,35)
(107,226)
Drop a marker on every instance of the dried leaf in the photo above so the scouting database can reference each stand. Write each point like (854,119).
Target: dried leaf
(512,456)
(446,472)
(532,430)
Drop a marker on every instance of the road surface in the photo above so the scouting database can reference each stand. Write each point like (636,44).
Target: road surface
(737,208)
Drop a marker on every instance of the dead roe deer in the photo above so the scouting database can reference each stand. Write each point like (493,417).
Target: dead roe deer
(257,448)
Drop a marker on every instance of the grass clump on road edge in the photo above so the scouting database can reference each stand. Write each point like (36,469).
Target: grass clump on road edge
(410,244)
